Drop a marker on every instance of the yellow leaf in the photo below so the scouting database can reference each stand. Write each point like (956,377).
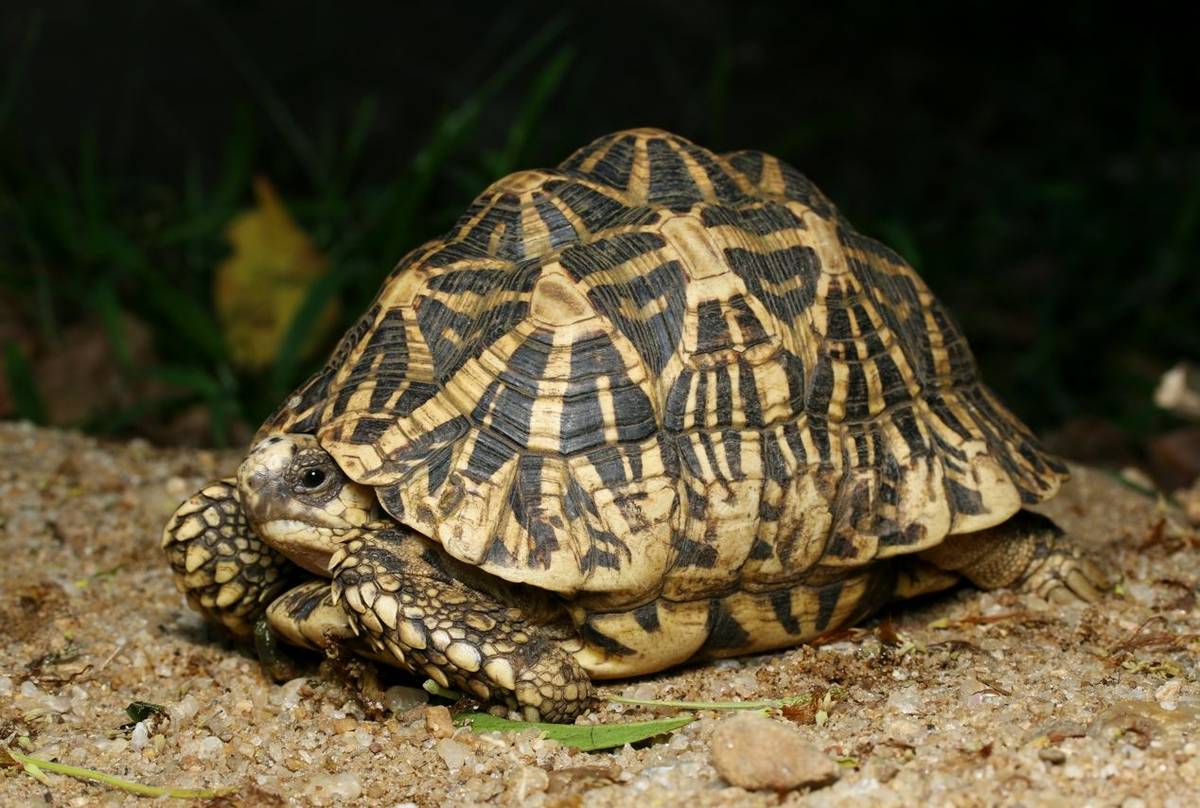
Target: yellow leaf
(260,287)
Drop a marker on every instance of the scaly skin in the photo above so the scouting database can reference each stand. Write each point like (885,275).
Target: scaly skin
(1027,552)
(401,592)
(394,596)
(228,573)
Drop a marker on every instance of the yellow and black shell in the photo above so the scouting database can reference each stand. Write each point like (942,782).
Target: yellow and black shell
(658,373)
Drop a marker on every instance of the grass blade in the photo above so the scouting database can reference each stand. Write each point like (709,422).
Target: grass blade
(451,131)
(237,165)
(543,89)
(356,137)
(288,354)
(111,319)
(272,103)
(21,385)
(36,767)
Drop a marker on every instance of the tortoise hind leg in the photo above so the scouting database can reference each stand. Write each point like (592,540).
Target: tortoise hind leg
(432,615)
(227,572)
(1028,552)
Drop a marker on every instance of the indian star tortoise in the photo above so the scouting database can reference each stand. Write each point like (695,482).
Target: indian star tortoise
(653,405)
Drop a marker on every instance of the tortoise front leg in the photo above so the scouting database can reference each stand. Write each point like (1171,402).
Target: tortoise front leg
(433,616)
(227,572)
(306,616)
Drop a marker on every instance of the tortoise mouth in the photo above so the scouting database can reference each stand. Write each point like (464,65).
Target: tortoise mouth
(308,545)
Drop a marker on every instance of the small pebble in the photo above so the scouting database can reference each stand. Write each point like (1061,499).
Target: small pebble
(744,683)
(438,722)
(576,779)
(140,736)
(525,782)
(288,694)
(902,730)
(57,704)
(211,747)
(343,725)
(454,754)
(1052,754)
(740,754)
(399,699)
(1167,696)
(182,711)
(906,700)
(643,691)
(327,789)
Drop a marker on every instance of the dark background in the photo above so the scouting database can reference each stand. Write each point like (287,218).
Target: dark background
(1040,168)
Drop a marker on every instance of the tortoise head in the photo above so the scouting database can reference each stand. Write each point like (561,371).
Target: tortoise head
(299,500)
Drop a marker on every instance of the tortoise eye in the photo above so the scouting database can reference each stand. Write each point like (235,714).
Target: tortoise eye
(312,478)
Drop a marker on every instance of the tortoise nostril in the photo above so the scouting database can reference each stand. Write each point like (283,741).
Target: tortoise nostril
(257,481)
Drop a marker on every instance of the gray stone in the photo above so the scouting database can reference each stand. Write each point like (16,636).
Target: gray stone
(753,752)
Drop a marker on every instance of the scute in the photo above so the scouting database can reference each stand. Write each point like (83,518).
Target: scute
(656,372)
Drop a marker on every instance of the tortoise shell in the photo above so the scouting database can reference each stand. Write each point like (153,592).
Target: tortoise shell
(658,372)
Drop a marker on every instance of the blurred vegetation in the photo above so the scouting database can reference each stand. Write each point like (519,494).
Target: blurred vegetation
(1052,200)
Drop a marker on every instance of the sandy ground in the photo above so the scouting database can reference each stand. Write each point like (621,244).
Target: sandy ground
(968,698)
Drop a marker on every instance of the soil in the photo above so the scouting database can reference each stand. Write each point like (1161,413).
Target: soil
(968,698)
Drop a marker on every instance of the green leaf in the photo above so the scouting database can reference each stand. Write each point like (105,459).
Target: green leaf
(586,738)
(141,710)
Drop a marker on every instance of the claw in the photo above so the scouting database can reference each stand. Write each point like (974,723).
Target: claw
(1061,596)
(1095,574)
(1081,586)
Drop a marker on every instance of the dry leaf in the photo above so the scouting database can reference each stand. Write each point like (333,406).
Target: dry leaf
(260,287)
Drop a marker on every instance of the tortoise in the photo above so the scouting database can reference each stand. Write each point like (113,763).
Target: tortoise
(651,406)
